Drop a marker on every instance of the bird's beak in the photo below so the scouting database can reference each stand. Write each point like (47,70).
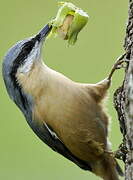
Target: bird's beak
(44,32)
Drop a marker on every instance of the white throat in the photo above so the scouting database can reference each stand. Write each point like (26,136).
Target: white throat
(32,57)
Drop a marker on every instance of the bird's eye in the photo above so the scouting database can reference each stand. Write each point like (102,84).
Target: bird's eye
(28,47)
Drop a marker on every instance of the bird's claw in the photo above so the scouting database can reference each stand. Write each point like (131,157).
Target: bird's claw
(121,152)
(120,63)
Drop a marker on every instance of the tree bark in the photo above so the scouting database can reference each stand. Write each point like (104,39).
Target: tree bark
(123,100)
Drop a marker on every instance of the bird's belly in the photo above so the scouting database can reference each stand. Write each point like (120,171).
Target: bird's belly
(81,128)
(82,141)
(84,137)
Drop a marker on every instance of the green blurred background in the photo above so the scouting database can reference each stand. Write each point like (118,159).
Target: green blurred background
(22,155)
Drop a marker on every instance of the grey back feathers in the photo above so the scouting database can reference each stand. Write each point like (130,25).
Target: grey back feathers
(11,62)
(11,55)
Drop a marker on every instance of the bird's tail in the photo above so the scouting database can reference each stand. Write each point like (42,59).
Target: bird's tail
(108,169)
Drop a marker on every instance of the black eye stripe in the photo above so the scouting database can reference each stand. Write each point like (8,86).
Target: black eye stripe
(20,60)
(25,51)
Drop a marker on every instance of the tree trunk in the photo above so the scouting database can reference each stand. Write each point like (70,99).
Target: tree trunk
(123,100)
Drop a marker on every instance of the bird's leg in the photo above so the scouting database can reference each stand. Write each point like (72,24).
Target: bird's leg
(120,153)
(118,64)
(103,85)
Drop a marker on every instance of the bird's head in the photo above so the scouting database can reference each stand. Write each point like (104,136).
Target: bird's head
(19,59)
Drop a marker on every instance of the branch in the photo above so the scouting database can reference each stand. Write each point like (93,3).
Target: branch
(123,100)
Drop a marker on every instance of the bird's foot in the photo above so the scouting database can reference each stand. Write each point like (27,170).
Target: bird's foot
(121,152)
(120,63)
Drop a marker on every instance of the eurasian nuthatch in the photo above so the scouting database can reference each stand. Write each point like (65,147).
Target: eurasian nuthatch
(68,116)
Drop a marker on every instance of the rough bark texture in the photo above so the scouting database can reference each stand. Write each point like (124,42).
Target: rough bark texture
(123,100)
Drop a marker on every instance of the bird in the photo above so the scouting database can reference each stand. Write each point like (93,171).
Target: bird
(68,116)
